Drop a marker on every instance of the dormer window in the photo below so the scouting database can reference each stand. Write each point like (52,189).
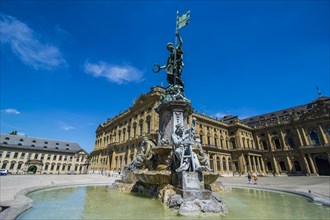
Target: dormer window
(46,142)
(4,142)
(7,138)
(19,144)
(57,144)
(32,145)
(21,140)
(34,141)
(67,144)
(45,146)
(56,148)
(67,148)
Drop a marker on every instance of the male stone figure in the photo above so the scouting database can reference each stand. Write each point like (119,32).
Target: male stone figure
(174,64)
(183,142)
(144,157)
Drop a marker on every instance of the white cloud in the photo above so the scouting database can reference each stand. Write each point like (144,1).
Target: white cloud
(65,126)
(220,115)
(11,111)
(115,73)
(23,42)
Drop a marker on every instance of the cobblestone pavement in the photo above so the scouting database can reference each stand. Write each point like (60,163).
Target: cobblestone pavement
(13,188)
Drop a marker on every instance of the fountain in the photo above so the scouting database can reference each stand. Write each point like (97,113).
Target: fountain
(175,168)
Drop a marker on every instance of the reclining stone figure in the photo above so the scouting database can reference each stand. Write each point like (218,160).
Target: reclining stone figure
(144,156)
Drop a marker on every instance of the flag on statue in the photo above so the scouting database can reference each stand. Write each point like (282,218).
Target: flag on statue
(183,20)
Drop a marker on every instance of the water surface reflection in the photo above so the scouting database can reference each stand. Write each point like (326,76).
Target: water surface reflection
(97,202)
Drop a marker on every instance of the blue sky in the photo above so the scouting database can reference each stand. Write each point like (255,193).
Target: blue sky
(67,66)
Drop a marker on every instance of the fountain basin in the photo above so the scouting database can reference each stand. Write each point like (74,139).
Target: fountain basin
(153,177)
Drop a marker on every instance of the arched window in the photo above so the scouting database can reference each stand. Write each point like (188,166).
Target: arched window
(233,144)
(264,144)
(211,162)
(314,138)
(224,165)
(297,166)
(291,142)
(269,166)
(282,165)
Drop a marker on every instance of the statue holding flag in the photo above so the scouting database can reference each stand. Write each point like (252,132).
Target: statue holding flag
(174,62)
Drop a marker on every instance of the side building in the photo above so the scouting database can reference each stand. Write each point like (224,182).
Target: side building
(23,154)
(292,141)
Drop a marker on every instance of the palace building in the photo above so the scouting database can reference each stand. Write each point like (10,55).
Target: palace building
(293,141)
(23,154)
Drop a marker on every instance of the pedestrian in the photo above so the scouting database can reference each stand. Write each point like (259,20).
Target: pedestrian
(255,179)
(249,178)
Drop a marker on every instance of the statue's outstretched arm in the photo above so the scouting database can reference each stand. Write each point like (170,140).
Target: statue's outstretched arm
(180,40)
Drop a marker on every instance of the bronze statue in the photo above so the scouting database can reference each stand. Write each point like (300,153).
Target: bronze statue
(174,63)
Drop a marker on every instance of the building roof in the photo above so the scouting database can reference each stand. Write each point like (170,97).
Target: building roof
(282,115)
(33,143)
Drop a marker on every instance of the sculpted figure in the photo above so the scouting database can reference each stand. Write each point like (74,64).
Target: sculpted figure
(184,155)
(144,156)
(174,63)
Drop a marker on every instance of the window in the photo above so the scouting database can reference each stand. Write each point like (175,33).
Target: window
(4,165)
(42,156)
(46,167)
(12,166)
(4,142)
(201,138)
(233,144)
(314,138)
(282,165)
(134,131)
(45,146)
(19,166)
(264,144)
(60,158)
(32,145)
(215,141)
(291,142)
(21,140)
(149,126)
(8,154)
(48,157)
(277,143)
(36,156)
(67,145)
(208,140)
(54,158)
(15,155)
(141,129)
(57,144)
(46,142)
(297,166)
(67,148)
(34,141)
(56,148)
(22,155)
(7,138)
(19,144)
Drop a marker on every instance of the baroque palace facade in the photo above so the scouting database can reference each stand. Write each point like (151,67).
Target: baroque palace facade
(23,154)
(292,141)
